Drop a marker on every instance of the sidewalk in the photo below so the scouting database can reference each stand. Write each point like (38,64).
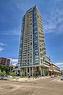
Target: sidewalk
(28,79)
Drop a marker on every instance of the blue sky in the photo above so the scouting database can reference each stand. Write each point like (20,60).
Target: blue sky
(11,13)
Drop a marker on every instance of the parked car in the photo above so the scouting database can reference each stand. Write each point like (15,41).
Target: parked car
(52,76)
(3,77)
(61,77)
(9,76)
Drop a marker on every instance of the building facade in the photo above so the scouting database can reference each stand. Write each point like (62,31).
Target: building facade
(4,61)
(54,70)
(32,52)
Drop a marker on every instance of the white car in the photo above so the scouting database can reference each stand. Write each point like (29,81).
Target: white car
(52,76)
(61,77)
(3,77)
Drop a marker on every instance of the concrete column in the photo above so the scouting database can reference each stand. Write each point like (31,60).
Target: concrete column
(43,73)
(32,71)
(26,71)
(40,68)
(21,72)
(48,72)
(29,72)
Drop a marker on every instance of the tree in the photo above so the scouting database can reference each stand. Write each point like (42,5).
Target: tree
(12,73)
(2,73)
(5,68)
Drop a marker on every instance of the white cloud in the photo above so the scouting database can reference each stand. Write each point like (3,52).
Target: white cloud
(54,21)
(49,27)
(1,49)
(60,64)
(11,32)
(2,44)
(14,61)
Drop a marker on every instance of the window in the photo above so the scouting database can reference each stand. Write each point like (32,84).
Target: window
(36,61)
(41,55)
(30,60)
(41,60)
(35,31)
(35,28)
(36,57)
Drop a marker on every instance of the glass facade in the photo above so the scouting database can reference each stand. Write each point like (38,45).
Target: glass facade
(32,46)
(32,51)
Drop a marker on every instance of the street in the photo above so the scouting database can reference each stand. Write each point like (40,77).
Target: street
(47,86)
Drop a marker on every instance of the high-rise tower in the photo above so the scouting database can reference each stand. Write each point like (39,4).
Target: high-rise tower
(32,46)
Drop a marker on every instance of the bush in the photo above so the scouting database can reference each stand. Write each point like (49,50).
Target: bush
(12,73)
(2,73)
